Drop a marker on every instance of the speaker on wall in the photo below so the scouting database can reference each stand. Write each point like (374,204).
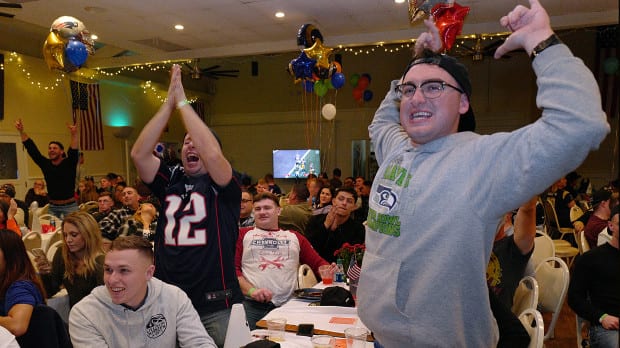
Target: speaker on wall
(254,68)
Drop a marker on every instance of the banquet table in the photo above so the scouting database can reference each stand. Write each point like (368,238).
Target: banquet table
(327,320)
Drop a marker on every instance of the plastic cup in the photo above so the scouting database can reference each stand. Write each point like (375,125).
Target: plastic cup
(323,341)
(327,274)
(276,328)
(356,337)
(353,288)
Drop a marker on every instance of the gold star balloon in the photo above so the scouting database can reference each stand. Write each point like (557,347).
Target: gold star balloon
(53,51)
(319,53)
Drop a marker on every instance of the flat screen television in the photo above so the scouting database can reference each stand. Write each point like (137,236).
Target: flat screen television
(292,164)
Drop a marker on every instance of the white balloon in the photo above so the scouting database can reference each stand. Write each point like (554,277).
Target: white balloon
(329,111)
(67,26)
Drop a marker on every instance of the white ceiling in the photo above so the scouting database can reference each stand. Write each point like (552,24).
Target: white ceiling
(225,28)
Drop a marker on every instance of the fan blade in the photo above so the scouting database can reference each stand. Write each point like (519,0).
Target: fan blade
(225,71)
(191,68)
(210,68)
(223,75)
(9,5)
(8,15)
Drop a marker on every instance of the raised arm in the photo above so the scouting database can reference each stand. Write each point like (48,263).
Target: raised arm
(19,125)
(430,40)
(525,226)
(142,155)
(73,130)
(204,141)
(529,26)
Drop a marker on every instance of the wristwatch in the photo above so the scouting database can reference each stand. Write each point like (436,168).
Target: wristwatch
(550,41)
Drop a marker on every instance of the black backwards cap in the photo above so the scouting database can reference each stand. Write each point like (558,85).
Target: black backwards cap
(458,71)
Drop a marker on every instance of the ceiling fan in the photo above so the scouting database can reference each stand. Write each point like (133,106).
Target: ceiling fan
(8,5)
(211,72)
(478,46)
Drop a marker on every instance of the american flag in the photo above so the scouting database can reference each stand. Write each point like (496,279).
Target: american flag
(87,113)
(354,270)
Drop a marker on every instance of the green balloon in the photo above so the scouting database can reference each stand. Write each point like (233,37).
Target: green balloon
(610,66)
(353,79)
(328,83)
(320,88)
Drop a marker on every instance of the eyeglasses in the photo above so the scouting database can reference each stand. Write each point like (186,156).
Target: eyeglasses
(246,200)
(430,89)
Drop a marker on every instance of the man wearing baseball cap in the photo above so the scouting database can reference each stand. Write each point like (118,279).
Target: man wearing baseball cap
(439,194)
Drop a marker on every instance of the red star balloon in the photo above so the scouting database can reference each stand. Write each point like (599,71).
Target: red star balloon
(449,21)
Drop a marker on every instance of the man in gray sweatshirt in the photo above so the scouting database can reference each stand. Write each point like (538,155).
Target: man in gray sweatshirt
(423,276)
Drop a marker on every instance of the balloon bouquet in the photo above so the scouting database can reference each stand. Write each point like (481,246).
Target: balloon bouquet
(313,67)
(448,15)
(68,45)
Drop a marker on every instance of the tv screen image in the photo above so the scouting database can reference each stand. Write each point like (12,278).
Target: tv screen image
(291,164)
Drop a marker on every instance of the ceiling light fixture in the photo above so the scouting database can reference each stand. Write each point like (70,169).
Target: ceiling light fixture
(179,27)
(94,37)
(280,14)
(399,1)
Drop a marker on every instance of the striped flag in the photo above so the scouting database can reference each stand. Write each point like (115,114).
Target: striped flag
(87,113)
(354,270)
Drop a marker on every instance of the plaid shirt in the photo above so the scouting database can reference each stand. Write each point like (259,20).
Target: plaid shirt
(112,223)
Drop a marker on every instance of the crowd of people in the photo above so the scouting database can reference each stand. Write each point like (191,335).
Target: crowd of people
(162,262)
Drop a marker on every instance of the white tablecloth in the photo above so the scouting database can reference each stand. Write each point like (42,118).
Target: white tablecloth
(60,302)
(291,340)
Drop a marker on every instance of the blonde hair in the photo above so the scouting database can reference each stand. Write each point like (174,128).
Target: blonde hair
(89,229)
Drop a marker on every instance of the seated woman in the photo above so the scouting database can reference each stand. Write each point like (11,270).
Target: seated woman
(37,194)
(7,217)
(79,263)
(87,192)
(325,201)
(143,223)
(20,288)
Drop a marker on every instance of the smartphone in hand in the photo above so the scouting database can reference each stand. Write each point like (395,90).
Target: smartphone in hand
(38,252)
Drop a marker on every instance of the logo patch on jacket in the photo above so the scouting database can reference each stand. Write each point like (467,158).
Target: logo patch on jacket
(156,326)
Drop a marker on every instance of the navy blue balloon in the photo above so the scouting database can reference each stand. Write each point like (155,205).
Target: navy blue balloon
(367,95)
(338,80)
(308,86)
(307,35)
(302,66)
(76,52)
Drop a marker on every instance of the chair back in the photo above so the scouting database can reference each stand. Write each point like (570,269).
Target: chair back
(583,244)
(526,295)
(603,237)
(46,330)
(88,206)
(575,213)
(552,222)
(553,277)
(532,321)
(57,237)
(51,251)
(305,277)
(543,248)
(32,240)
(49,223)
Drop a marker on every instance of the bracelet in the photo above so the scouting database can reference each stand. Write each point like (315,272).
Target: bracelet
(550,41)
(600,320)
(251,291)
(182,103)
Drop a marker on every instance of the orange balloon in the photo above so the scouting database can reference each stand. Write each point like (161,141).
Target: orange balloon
(53,51)
(338,67)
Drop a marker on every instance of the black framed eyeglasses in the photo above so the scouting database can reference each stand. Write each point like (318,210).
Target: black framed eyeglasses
(430,89)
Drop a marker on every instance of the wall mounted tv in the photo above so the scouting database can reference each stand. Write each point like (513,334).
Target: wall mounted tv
(292,164)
